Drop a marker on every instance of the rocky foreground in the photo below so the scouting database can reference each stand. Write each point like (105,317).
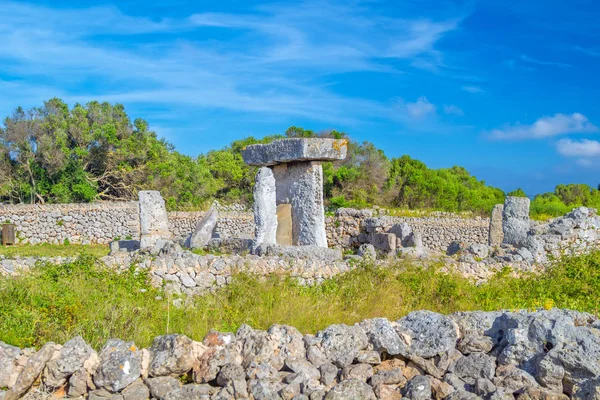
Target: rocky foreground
(548,354)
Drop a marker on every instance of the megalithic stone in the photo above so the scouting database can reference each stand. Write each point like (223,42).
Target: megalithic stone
(515,220)
(154,224)
(301,185)
(496,235)
(265,207)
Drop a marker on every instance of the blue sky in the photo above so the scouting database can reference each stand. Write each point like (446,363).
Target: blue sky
(508,89)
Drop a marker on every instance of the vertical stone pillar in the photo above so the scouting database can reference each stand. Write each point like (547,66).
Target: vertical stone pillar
(265,207)
(301,185)
(515,220)
(154,224)
(496,235)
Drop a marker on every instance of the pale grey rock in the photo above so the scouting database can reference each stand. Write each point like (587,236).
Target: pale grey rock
(329,373)
(392,376)
(479,250)
(472,343)
(367,251)
(32,370)
(192,391)
(299,252)
(342,343)
(303,367)
(402,231)
(72,357)
(484,387)
(496,235)
(234,376)
(78,383)
(474,366)
(297,149)
(354,213)
(351,389)
(265,207)
(102,394)
(426,334)
(204,229)
(362,372)
(8,364)
(161,386)
(265,389)
(172,355)
(301,185)
(136,391)
(120,365)
(418,388)
(369,357)
(384,242)
(382,335)
(154,223)
(515,220)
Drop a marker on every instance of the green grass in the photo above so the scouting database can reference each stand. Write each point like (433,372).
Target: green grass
(81,298)
(54,250)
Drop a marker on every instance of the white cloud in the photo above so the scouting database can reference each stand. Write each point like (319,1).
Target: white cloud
(472,89)
(558,124)
(451,109)
(582,148)
(419,109)
(532,60)
(278,60)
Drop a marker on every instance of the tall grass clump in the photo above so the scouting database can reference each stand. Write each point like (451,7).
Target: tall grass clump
(57,302)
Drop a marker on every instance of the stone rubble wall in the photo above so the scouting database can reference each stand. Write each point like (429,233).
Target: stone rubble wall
(437,232)
(77,223)
(423,355)
(102,222)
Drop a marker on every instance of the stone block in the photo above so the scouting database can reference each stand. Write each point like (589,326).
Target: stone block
(154,224)
(299,252)
(204,229)
(297,149)
(385,242)
(515,220)
(496,235)
(301,185)
(265,207)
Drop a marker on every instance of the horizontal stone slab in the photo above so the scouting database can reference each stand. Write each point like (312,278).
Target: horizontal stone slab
(298,149)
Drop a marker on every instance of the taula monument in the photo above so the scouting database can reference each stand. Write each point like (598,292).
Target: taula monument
(288,193)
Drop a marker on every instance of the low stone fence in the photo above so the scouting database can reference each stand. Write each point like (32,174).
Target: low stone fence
(437,232)
(75,223)
(102,222)
(424,355)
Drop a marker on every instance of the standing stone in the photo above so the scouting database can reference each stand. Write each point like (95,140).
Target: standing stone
(204,229)
(265,207)
(496,235)
(301,185)
(153,218)
(515,220)
(284,224)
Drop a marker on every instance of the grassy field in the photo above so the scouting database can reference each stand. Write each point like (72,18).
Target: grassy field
(80,298)
(54,250)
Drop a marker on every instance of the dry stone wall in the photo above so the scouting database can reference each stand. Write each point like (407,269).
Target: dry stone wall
(437,232)
(105,221)
(423,355)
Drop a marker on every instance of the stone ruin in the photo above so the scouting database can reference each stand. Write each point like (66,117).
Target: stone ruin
(288,193)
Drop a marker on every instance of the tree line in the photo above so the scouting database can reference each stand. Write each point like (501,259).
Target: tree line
(57,154)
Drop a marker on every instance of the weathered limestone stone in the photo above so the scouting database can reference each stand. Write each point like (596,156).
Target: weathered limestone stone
(496,235)
(298,149)
(284,224)
(265,208)
(301,185)
(515,220)
(153,218)
(204,229)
